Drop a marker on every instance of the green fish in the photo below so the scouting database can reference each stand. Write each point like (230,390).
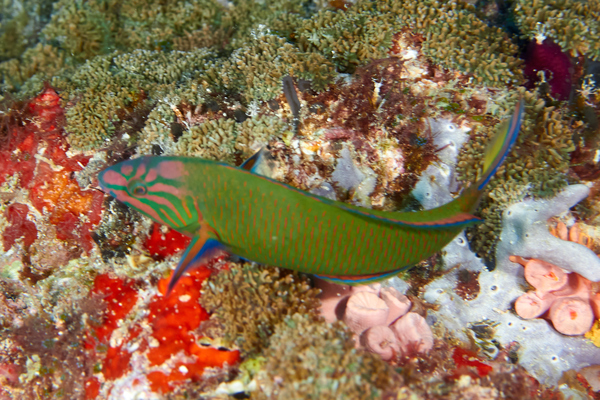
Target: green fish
(222,207)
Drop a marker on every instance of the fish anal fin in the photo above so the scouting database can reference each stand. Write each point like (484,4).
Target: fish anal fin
(202,248)
(361,279)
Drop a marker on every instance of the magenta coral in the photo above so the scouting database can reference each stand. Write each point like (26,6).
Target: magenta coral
(549,58)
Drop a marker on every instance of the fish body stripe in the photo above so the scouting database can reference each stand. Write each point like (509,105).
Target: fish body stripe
(319,235)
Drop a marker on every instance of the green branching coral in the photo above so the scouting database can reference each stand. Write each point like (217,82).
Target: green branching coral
(349,38)
(280,17)
(254,133)
(574,25)
(107,87)
(82,28)
(317,360)
(157,130)
(257,68)
(153,25)
(20,22)
(457,39)
(213,140)
(40,61)
(536,166)
(89,28)
(249,301)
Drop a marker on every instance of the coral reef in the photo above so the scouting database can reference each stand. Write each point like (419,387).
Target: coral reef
(384,104)
(501,287)
(545,140)
(149,339)
(456,38)
(34,156)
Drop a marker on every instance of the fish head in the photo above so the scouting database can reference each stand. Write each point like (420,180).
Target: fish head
(156,187)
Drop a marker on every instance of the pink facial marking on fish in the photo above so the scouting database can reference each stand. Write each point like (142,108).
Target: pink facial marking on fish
(127,169)
(161,187)
(151,175)
(140,171)
(171,169)
(114,178)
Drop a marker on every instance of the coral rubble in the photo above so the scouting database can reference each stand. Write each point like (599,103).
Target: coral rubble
(383,104)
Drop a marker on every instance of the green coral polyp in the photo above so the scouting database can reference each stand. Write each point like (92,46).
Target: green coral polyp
(257,67)
(349,38)
(574,25)
(248,301)
(457,39)
(309,359)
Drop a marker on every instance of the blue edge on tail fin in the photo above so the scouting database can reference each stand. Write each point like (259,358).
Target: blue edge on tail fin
(511,137)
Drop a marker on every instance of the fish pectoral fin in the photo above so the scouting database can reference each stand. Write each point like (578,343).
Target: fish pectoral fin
(203,247)
(252,163)
(353,280)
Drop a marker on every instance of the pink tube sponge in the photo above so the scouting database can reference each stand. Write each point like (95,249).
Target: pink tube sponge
(595,303)
(365,310)
(577,286)
(545,277)
(413,333)
(380,340)
(530,305)
(398,303)
(334,297)
(571,316)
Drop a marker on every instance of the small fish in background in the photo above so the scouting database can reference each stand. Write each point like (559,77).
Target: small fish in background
(223,207)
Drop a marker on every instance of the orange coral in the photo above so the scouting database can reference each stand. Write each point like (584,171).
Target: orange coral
(171,347)
(48,173)
(173,320)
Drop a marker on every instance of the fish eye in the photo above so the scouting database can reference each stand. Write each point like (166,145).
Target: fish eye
(137,188)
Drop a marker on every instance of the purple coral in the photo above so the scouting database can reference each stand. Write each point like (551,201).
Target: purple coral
(548,57)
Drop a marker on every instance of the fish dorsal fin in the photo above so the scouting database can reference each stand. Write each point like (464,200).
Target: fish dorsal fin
(437,218)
